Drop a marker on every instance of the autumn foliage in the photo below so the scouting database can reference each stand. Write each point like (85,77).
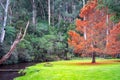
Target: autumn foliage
(102,35)
(113,45)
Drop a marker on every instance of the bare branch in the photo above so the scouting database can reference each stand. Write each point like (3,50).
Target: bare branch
(2,5)
(25,30)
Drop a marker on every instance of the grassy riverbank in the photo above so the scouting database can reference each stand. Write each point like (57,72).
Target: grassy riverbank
(74,70)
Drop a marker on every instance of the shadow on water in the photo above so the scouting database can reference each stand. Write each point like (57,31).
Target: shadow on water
(10,75)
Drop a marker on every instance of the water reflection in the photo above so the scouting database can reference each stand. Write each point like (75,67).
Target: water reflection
(8,75)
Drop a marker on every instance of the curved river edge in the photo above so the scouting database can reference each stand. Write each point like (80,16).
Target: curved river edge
(9,72)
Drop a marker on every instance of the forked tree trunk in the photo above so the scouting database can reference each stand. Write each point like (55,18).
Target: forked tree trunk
(93,57)
(13,46)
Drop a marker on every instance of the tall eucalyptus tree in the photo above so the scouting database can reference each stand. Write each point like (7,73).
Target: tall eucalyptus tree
(2,35)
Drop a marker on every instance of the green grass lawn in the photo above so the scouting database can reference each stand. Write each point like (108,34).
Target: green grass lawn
(74,70)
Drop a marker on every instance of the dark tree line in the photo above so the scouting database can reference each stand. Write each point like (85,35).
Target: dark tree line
(46,36)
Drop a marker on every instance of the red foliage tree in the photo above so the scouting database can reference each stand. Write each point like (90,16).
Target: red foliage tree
(113,45)
(97,28)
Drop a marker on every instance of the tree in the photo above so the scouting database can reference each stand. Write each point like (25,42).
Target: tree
(34,13)
(95,31)
(49,12)
(65,10)
(2,36)
(85,35)
(113,45)
(112,40)
(113,8)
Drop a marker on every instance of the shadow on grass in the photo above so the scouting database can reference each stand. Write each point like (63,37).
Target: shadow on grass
(116,61)
(106,62)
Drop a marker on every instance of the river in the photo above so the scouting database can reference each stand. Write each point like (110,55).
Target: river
(10,75)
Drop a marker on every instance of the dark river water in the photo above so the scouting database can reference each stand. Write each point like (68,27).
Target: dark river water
(10,75)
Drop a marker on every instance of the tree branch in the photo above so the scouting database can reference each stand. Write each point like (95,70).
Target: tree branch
(2,5)
(25,30)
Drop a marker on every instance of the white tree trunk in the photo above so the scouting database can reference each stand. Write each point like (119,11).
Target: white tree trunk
(66,10)
(49,13)
(34,12)
(107,30)
(85,31)
(4,22)
(59,19)
(83,2)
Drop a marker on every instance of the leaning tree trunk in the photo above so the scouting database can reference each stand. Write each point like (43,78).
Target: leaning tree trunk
(4,22)
(13,46)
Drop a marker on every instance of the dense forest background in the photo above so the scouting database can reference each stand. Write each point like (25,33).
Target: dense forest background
(46,36)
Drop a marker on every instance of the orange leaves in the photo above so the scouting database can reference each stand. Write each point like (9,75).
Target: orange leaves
(84,11)
(88,8)
(116,29)
(80,47)
(90,25)
(93,4)
(80,24)
(113,46)
(100,25)
(114,42)
(76,41)
(74,38)
(96,25)
(73,34)
(114,33)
